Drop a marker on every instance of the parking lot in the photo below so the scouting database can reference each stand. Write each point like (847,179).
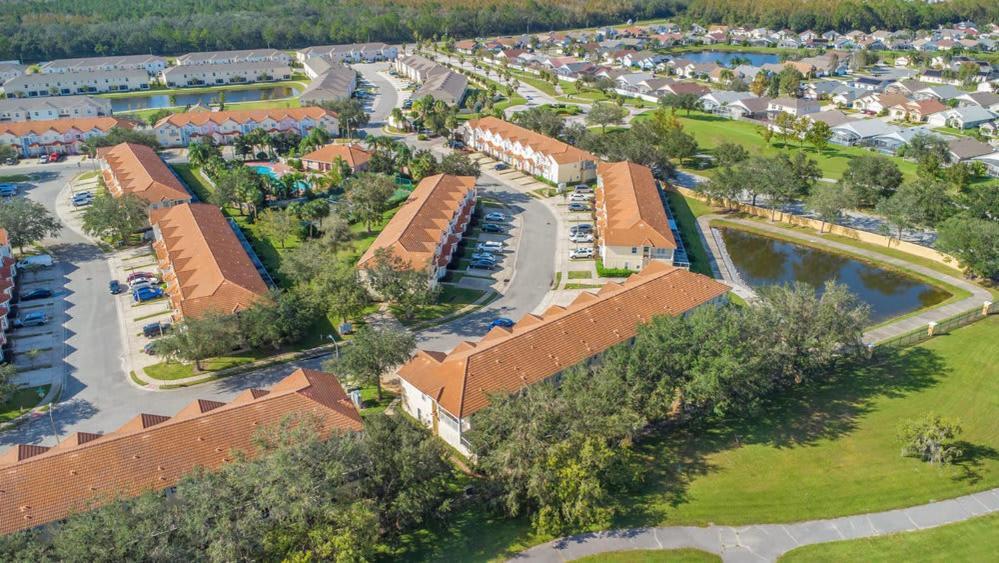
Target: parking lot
(133,315)
(487,255)
(40,305)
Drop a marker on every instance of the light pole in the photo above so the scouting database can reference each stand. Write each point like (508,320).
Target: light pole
(336,345)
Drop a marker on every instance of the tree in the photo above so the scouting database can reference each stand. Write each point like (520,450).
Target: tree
(157,115)
(896,213)
(789,81)
(8,372)
(729,154)
(372,352)
(604,114)
(117,135)
(278,224)
(336,231)
(925,145)
(315,211)
(200,152)
(397,282)
(727,184)
(926,202)
(784,123)
(350,114)
(27,221)
(281,318)
(459,164)
(759,84)
(818,135)
(766,133)
(197,339)
(828,202)
(929,438)
(368,195)
(541,119)
(974,242)
(115,218)
(7,152)
(686,102)
(870,178)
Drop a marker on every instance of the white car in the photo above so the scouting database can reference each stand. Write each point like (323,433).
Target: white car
(489,246)
(495,216)
(36,261)
(581,253)
(578,196)
(581,237)
(142,282)
(583,189)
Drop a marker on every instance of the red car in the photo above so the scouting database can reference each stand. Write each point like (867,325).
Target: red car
(55,157)
(137,275)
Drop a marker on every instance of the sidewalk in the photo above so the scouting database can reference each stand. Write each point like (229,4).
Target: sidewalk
(767,542)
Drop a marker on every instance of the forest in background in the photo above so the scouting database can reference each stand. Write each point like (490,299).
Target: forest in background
(35,30)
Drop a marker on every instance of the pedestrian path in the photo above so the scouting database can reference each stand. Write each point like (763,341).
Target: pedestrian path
(977,299)
(767,542)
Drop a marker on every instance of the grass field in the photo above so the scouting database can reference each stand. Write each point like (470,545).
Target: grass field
(822,452)
(652,556)
(22,400)
(685,212)
(171,371)
(972,540)
(451,300)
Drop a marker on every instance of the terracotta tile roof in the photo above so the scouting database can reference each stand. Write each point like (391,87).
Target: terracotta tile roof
(39,485)
(416,231)
(210,269)
(4,237)
(538,347)
(62,126)
(631,211)
(352,154)
(562,153)
(138,170)
(243,116)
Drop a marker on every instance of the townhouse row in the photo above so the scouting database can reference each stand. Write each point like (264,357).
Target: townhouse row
(436,80)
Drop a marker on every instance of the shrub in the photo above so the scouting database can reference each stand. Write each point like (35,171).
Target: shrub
(929,439)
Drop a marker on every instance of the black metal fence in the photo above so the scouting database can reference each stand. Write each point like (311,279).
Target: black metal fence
(942,327)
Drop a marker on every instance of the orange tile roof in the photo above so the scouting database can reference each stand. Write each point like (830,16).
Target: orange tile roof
(4,237)
(631,212)
(62,126)
(415,231)
(211,270)
(244,115)
(352,154)
(39,485)
(138,170)
(538,347)
(562,153)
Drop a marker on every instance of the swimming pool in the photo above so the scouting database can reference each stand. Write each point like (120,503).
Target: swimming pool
(269,171)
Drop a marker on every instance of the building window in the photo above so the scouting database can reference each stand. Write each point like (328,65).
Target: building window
(634,250)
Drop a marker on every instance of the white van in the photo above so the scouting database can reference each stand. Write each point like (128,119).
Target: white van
(35,261)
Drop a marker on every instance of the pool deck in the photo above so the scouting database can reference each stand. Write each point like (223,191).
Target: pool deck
(978,298)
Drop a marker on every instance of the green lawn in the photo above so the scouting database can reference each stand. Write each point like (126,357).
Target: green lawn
(580,274)
(824,451)
(22,400)
(451,300)
(972,540)
(685,211)
(15,178)
(170,371)
(652,556)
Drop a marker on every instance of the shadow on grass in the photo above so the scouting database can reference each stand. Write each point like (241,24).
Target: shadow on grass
(677,456)
(971,460)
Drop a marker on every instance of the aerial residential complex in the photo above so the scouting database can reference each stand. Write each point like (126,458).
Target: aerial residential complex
(134,169)
(153,452)
(64,136)
(24,109)
(152,64)
(330,82)
(69,83)
(204,264)
(352,53)
(233,57)
(179,129)
(217,74)
(8,275)
(632,225)
(443,390)
(426,230)
(436,80)
(530,152)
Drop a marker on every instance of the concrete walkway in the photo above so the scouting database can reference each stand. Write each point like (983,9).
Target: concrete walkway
(767,542)
(978,298)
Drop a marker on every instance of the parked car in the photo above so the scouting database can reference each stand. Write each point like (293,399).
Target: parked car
(83,199)
(489,246)
(143,282)
(114,286)
(503,322)
(457,145)
(581,228)
(482,265)
(581,237)
(484,256)
(495,216)
(8,190)
(35,318)
(55,157)
(83,195)
(155,329)
(36,261)
(40,293)
(579,196)
(583,189)
(491,228)
(12,161)
(501,166)
(577,206)
(581,253)
(134,275)
(150,348)
(43,159)
(146,294)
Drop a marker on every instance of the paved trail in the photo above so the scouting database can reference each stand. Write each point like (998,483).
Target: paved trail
(767,542)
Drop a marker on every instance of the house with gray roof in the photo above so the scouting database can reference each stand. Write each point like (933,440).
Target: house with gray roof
(748,108)
(718,100)
(213,74)
(350,53)
(37,109)
(967,148)
(152,64)
(890,143)
(234,57)
(942,92)
(70,83)
(861,131)
(987,100)
(832,117)
(10,70)
(794,106)
(436,80)
(961,117)
(338,82)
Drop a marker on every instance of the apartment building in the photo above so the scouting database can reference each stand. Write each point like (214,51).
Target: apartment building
(215,74)
(233,57)
(530,152)
(64,136)
(632,226)
(24,109)
(11,69)
(323,158)
(351,53)
(8,273)
(444,390)
(179,129)
(436,80)
(152,64)
(129,168)
(70,83)
(428,227)
(335,82)
(153,452)
(204,264)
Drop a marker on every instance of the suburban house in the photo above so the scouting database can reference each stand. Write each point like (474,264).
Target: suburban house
(204,264)
(437,81)
(129,168)
(861,131)
(152,64)
(179,129)
(681,88)
(718,100)
(444,390)
(426,230)
(749,108)
(874,104)
(64,136)
(794,106)
(214,74)
(962,117)
(24,109)
(915,111)
(987,100)
(336,82)
(530,152)
(941,92)
(967,148)
(891,142)
(632,226)
(831,117)
(322,159)
(68,83)
(232,57)
(153,452)
(352,53)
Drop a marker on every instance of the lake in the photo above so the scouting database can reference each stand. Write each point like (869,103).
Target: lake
(154,100)
(724,58)
(765,261)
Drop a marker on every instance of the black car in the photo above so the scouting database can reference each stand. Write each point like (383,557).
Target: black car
(155,329)
(115,287)
(36,294)
(491,228)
